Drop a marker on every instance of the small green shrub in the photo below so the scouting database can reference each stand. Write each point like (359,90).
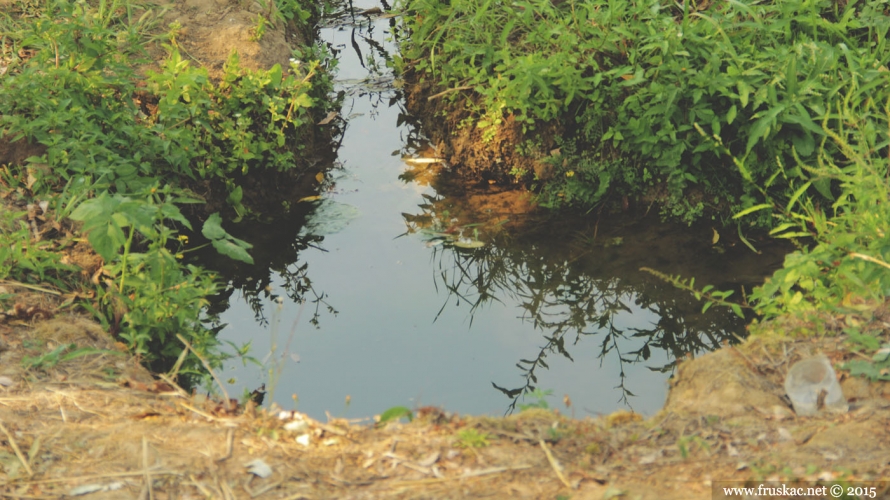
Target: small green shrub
(121,155)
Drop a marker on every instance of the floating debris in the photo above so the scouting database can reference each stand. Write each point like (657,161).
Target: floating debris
(423,161)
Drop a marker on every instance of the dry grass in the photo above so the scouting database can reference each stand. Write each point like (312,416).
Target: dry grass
(101,424)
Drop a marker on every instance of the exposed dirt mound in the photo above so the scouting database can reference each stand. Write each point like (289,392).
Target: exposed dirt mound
(212,29)
(473,155)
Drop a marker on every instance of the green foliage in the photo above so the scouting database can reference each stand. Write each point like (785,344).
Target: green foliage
(471,438)
(27,261)
(878,368)
(540,400)
(225,243)
(259,29)
(631,80)
(395,413)
(846,267)
(62,353)
(707,294)
(121,154)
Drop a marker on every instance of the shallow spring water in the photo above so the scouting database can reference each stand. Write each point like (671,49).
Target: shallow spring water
(396,319)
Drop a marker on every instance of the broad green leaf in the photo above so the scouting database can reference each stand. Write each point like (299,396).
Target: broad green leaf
(737,309)
(107,241)
(823,185)
(233,251)
(100,207)
(395,413)
(170,211)
(212,229)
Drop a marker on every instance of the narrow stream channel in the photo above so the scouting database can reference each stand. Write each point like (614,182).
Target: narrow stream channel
(394,319)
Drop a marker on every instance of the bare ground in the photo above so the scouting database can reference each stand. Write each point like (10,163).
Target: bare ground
(101,423)
(100,426)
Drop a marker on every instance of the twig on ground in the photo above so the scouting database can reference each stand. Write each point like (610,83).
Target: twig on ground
(30,287)
(555,465)
(264,489)
(479,473)
(200,486)
(94,476)
(145,470)
(227,402)
(179,390)
(230,446)
(203,414)
(15,448)
(455,89)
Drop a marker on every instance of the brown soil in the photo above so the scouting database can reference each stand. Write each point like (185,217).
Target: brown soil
(474,157)
(212,29)
(100,422)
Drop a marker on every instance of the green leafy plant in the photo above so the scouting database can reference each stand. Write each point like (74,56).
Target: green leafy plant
(878,367)
(225,243)
(395,413)
(120,158)
(540,399)
(259,29)
(62,353)
(471,438)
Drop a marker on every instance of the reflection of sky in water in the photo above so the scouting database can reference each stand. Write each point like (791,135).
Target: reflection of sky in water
(383,348)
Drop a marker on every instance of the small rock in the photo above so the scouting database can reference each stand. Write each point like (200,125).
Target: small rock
(785,434)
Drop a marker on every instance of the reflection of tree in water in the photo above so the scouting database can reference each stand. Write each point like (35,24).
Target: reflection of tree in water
(568,303)
(373,55)
(277,245)
(276,252)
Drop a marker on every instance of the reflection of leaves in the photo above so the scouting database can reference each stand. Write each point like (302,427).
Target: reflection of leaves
(225,243)
(277,254)
(567,304)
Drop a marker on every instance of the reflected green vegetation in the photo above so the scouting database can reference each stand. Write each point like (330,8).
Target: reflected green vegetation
(769,114)
(278,271)
(579,283)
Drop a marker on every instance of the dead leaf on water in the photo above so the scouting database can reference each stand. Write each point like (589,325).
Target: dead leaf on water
(469,244)
(309,198)
(422,161)
(329,118)
(716,237)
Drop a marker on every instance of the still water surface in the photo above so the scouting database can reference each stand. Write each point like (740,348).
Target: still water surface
(391,319)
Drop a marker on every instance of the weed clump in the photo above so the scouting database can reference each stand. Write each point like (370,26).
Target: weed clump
(123,155)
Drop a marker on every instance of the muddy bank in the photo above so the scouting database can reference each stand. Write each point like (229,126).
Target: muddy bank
(98,423)
(474,156)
